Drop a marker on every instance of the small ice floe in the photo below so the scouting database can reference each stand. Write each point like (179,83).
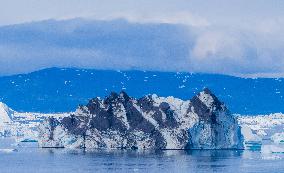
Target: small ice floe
(268,149)
(252,140)
(272,152)
(278,138)
(271,157)
(8,150)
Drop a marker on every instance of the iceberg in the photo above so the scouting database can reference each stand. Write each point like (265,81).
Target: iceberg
(22,125)
(151,122)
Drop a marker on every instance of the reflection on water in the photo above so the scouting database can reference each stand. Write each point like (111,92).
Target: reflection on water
(28,158)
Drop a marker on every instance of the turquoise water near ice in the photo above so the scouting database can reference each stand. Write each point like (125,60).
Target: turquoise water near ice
(29,159)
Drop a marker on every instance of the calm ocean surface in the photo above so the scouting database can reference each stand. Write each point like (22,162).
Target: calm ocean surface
(27,158)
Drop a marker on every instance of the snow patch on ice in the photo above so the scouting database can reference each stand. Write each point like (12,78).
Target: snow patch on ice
(205,98)
(147,116)
(249,135)
(120,112)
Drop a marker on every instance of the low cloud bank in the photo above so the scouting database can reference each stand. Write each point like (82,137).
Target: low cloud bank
(122,45)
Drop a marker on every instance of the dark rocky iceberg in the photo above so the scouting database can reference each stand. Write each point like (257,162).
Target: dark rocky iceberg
(151,122)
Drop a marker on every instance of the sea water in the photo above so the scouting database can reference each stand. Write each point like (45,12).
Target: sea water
(28,158)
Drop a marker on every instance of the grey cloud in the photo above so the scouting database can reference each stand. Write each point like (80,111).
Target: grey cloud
(118,44)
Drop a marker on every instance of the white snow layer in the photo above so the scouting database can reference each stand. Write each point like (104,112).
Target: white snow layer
(23,126)
(207,99)
(266,131)
(255,129)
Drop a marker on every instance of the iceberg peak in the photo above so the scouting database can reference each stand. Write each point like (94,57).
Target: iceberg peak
(151,122)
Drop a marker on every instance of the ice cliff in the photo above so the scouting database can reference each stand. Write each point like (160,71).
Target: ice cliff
(151,122)
(263,132)
(22,125)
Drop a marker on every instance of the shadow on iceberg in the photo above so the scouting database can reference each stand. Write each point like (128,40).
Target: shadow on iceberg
(151,122)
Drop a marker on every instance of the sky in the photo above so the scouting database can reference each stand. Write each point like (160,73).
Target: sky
(234,37)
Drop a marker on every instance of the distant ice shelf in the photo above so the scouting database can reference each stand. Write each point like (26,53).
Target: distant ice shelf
(260,132)
(22,125)
(263,132)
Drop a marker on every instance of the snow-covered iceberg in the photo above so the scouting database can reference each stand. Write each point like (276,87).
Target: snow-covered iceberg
(263,132)
(151,122)
(22,125)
